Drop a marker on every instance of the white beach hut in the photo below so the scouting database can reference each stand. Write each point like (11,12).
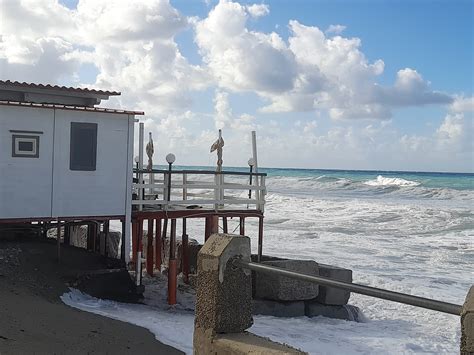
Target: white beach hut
(61,157)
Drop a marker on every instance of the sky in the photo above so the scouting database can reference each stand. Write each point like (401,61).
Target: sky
(363,84)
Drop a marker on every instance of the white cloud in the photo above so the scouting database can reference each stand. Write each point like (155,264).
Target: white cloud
(309,72)
(335,29)
(258,10)
(463,104)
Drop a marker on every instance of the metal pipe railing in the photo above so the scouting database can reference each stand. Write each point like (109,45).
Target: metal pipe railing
(416,301)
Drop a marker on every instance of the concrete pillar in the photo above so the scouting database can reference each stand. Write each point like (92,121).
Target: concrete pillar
(224,301)
(467,324)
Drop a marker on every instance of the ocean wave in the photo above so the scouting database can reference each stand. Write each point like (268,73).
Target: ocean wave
(388,181)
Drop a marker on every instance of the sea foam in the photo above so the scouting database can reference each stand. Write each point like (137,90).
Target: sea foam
(388,181)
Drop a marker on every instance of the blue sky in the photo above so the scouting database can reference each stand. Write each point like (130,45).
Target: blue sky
(390,88)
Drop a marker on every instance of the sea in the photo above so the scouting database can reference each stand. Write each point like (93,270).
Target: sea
(410,232)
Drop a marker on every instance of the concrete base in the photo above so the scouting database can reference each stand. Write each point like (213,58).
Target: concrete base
(279,309)
(346,312)
(237,344)
(280,288)
(330,295)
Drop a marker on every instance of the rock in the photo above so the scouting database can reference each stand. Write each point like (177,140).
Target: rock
(278,309)
(280,288)
(330,295)
(347,312)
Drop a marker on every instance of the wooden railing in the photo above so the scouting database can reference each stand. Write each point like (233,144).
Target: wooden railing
(163,189)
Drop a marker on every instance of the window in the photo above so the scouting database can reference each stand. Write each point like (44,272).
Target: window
(83,150)
(25,146)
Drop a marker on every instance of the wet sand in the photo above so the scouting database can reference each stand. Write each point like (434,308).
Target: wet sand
(34,320)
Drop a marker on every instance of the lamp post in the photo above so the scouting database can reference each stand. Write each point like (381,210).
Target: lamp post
(172,263)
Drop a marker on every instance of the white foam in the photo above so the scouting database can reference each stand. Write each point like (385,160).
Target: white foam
(388,181)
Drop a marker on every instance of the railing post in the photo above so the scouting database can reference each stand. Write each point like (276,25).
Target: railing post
(185,188)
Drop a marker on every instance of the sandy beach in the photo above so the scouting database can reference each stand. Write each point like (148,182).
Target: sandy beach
(34,320)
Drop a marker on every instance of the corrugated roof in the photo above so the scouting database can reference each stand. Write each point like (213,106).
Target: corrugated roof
(70,107)
(57,87)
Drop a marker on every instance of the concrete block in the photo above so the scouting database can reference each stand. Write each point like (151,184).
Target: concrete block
(279,309)
(330,295)
(347,312)
(467,324)
(223,293)
(280,288)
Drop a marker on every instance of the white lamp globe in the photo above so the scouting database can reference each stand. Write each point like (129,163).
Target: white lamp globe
(170,158)
(251,162)
(137,159)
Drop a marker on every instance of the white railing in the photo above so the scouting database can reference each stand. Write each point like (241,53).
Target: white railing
(207,189)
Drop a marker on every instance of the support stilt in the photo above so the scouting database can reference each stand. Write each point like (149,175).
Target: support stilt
(242,226)
(172,269)
(158,245)
(260,238)
(122,247)
(224,225)
(149,248)
(185,253)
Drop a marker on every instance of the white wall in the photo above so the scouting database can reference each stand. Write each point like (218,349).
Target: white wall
(91,193)
(25,183)
(45,186)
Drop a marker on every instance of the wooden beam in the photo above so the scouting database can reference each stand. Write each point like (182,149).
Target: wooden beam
(149,248)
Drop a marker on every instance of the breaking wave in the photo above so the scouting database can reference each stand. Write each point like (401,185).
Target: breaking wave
(387,181)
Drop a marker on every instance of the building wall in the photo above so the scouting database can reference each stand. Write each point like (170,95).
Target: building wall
(25,183)
(91,193)
(45,186)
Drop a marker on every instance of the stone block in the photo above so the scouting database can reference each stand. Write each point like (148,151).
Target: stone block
(467,324)
(223,293)
(281,288)
(347,312)
(330,295)
(279,309)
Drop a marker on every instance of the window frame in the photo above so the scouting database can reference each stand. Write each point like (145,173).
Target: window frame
(17,153)
(73,146)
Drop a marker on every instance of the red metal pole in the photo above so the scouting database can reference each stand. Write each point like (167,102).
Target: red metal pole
(185,254)
(172,266)
(134,241)
(149,248)
(158,245)
(242,225)
(214,227)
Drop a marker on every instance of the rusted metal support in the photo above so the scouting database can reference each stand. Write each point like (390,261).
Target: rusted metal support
(149,248)
(106,229)
(158,245)
(185,254)
(224,225)
(67,234)
(242,226)
(172,266)
(58,235)
(260,238)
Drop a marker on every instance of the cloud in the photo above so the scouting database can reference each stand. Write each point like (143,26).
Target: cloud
(131,43)
(309,72)
(243,60)
(463,104)
(225,118)
(335,29)
(258,10)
